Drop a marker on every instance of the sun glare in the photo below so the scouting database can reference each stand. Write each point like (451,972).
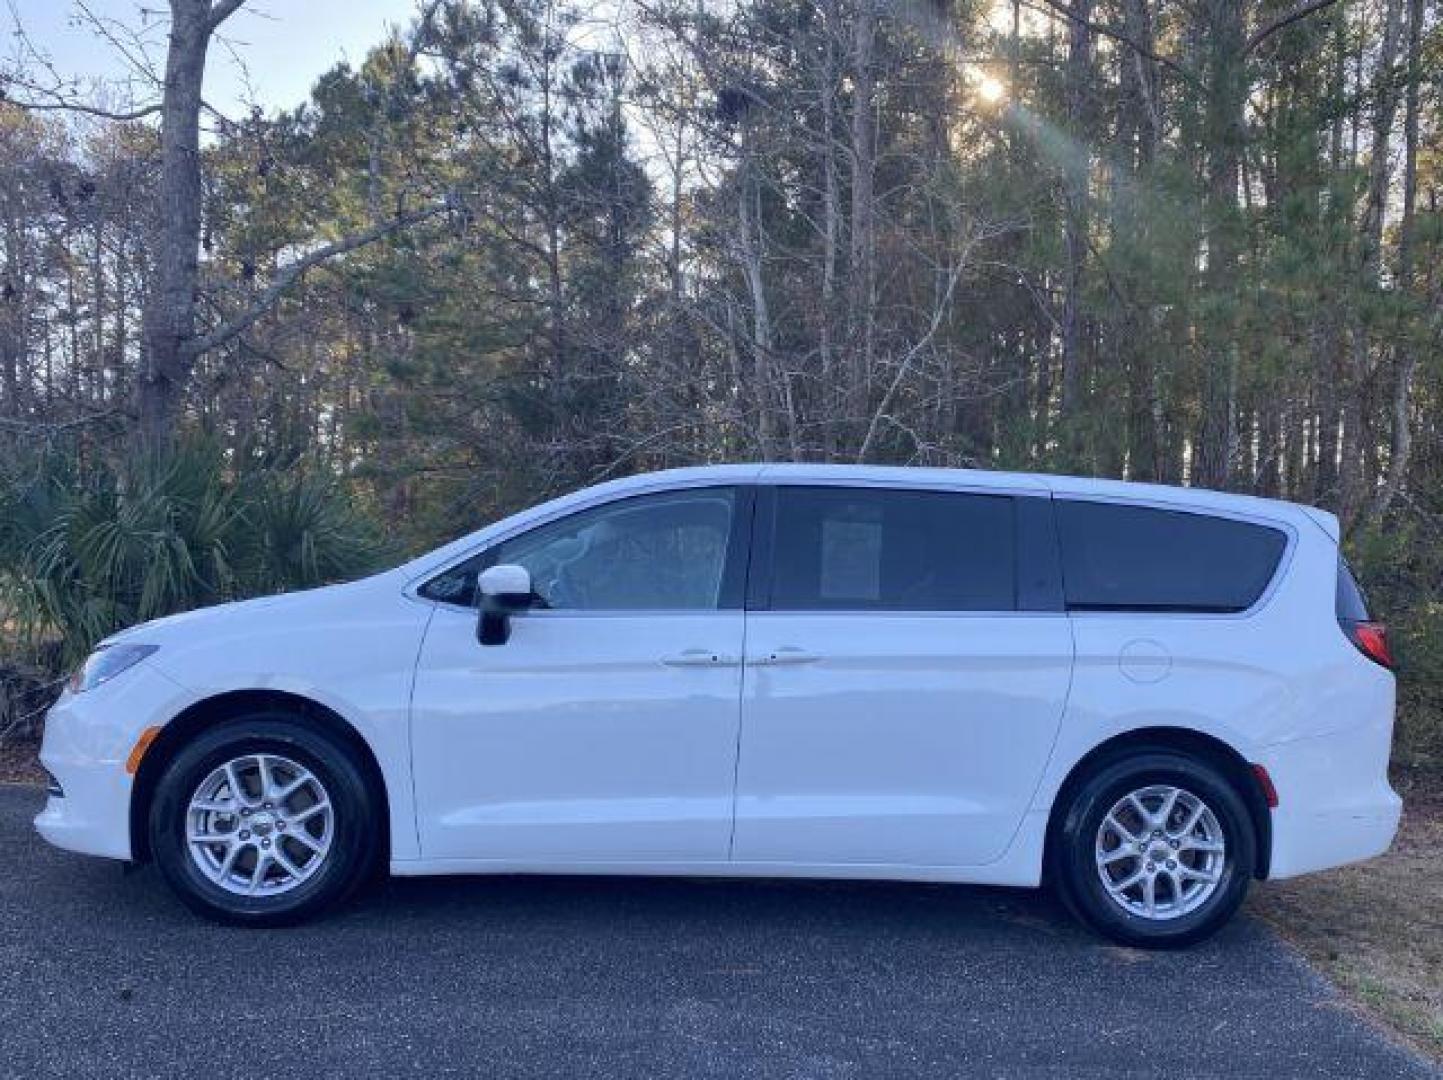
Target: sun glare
(991,90)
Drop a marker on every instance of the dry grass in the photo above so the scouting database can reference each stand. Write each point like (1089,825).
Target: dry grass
(1376,929)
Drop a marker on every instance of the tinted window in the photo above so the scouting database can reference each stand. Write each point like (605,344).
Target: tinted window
(458,584)
(1130,558)
(1039,570)
(861,549)
(656,552)
(1352,603)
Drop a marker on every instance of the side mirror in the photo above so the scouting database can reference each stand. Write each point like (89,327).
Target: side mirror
(503,590)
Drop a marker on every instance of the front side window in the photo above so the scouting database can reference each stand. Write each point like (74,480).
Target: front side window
(1136,558)
(649,553)
(892,550)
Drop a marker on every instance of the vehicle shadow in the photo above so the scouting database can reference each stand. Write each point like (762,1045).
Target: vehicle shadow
(780,915)
(739,910)
(720,903)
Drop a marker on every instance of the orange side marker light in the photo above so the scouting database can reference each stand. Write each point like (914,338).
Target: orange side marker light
(142,744)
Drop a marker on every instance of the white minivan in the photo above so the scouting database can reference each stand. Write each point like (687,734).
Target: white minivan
(1147,695)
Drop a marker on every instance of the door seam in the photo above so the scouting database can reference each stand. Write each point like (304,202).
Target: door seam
(737,755)
(411,729)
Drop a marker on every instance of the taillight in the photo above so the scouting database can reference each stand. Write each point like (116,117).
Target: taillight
(1372,641)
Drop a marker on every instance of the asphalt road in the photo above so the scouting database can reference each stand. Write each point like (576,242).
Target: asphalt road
(104,974)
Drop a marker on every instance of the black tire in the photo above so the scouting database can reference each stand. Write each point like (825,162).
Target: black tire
(1073,852)
(349,859)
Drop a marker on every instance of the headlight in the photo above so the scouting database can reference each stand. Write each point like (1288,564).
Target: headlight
(106,662)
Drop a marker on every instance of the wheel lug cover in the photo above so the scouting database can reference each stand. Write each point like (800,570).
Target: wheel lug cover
(265,843)
(1171,865)
(1152,868)
(245,834)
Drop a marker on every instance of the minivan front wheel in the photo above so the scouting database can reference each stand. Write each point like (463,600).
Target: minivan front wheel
(263,820)
(1155,849)
(260,825)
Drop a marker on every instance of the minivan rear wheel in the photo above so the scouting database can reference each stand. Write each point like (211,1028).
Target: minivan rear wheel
(263,821)
(1155,849)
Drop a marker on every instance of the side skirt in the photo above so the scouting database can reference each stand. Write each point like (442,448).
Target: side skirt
(1021,865)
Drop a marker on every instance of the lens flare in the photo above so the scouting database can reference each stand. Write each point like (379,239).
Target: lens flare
(991,90)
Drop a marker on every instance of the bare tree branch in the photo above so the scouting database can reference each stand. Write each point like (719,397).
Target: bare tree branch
(1057,7)
(939,312)
(76,107)
(222,10)
(287,276)
(128,43)
(60,94)
(1283,19)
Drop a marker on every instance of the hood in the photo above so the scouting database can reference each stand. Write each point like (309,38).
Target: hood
(242,611)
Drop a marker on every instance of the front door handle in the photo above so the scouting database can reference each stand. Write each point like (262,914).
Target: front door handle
(785,655)
(699,658)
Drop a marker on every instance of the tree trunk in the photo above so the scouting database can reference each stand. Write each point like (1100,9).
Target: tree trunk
(831,227)
(1353,478)
(749,224)
(1223,133)
(863,235)
(1075,225)
(14,298)
(169,316)
(1401,441)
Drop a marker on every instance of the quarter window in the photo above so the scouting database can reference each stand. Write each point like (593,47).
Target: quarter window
(1350,600)
(892,550)
(1133,558)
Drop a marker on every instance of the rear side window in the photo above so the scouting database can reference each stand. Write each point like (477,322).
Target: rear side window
(1133,558)
(891,550)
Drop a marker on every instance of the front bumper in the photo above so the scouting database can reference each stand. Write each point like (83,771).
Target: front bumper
(88,738)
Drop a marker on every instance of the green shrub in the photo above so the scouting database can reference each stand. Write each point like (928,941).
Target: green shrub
(87,548)
(1401,567)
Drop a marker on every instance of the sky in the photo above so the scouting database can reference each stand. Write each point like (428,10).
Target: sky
(284,44)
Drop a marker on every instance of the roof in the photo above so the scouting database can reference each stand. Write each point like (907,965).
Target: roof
(1017,482)
(1021,482)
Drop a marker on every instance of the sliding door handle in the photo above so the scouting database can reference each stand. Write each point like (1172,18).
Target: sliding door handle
(787,655)
(699,658)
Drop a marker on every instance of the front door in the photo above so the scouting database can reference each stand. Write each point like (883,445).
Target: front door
(903,689)
(605,729)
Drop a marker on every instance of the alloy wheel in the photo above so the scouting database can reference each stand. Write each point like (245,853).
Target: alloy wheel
(1160,852)
(260,825)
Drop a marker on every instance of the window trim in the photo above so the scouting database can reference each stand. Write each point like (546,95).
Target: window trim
(763,546)
(734,569)
(1264,598)
(760,499)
